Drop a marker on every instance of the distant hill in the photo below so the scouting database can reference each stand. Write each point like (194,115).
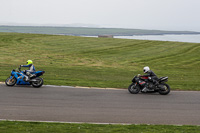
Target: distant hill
(83,31)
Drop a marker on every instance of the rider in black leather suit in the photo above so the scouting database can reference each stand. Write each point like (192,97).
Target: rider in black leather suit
(151,76)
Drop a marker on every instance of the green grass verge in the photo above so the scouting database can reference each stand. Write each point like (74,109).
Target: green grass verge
(100,62)
(40,127)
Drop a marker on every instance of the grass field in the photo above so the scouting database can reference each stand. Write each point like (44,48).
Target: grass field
(38,127)
(100,62)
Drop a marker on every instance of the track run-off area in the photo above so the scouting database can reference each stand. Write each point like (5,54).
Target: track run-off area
(93,105)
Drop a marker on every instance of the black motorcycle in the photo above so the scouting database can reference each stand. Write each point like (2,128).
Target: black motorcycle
(139,82)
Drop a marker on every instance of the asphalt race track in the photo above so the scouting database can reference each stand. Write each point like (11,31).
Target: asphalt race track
(69,104)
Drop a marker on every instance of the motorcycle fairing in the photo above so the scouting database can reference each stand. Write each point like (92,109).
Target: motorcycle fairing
(38,73)
(19,77)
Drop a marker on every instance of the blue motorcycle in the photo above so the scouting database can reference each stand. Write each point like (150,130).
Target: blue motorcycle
(18,77)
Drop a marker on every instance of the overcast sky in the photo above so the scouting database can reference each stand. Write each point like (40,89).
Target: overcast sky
(136,14)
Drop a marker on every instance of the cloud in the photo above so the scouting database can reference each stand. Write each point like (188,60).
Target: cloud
(145,14)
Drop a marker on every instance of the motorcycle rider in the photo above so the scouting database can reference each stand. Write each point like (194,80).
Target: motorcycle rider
(151,76)
(30,71)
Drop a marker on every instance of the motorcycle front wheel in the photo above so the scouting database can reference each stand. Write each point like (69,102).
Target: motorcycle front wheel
(11,81)
(38,83)
(134,88)
(164,89)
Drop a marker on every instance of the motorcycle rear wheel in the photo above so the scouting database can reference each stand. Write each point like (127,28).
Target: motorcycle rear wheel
(11,82)
(37,83)
(166,89)
(134,89)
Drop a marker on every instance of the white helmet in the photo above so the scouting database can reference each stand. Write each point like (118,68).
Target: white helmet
(146,69)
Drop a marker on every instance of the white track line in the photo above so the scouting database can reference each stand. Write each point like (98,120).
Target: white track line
(68,122)
(84,87)
(84,122)
(78,87)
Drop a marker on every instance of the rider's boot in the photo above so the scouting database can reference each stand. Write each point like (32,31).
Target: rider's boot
(145,89)
(26,78)
(30,75)
(156,83)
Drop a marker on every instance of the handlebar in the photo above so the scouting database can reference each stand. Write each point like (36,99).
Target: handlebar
(19,68)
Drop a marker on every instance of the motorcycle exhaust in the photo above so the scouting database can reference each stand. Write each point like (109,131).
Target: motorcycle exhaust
(33,80)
